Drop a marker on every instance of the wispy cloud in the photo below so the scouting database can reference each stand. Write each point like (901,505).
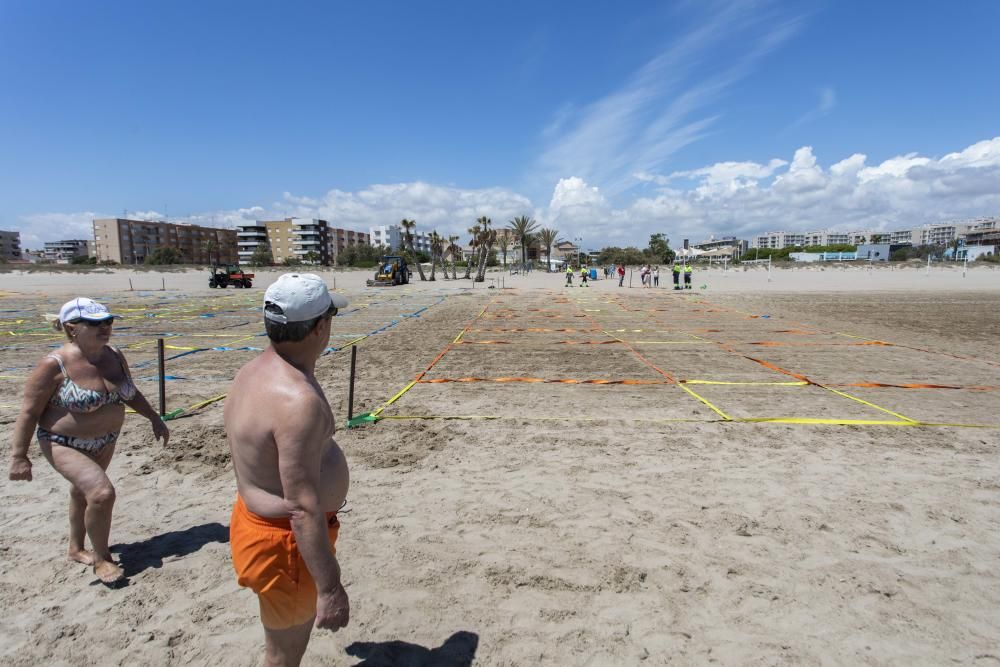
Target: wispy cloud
(665,105)
(827,101)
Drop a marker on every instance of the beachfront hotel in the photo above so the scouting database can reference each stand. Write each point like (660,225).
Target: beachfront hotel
(391,237)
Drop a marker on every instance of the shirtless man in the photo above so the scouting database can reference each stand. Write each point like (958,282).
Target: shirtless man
(291,476)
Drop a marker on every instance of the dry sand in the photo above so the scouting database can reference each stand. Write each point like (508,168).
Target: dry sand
(599,522)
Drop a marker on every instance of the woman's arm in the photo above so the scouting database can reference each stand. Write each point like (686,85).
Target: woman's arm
(142,406)
(42,383)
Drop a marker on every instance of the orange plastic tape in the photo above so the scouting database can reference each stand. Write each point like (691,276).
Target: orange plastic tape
(916,386)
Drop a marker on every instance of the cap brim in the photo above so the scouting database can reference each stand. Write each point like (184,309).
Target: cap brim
(102,318)
(339,300)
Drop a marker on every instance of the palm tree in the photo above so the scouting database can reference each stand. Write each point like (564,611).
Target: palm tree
(474,242)
(408,226)
(454,249)
(210,246)
(523,227)
(503,242)
(436,253)
(487,238)
(547,237)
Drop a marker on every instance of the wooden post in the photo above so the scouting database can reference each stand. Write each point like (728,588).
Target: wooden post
(162,376)
(130,288)
(350,391)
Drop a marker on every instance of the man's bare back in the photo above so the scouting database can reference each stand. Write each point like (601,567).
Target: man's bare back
(289,396)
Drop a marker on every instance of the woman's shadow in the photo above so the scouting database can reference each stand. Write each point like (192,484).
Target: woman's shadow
(137,557)
(457,651)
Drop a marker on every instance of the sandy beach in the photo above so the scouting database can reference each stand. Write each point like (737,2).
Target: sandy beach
(788,468)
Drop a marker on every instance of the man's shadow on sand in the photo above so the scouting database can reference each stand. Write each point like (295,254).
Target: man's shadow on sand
(137,557)
(457,651)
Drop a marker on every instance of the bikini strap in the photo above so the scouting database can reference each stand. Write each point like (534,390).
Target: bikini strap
(62,367)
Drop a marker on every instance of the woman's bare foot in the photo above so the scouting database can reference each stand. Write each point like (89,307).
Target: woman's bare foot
(82,556)
(108,572)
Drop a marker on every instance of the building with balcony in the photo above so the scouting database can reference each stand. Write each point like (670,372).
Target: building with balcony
(62,252)
(297,238)
(391,237)
(10,246)
(341,239)
(132,241)
(985,231)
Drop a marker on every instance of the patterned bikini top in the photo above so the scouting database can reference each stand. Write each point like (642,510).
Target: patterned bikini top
(75,398)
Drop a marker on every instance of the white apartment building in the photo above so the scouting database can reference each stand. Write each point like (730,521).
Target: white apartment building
(63,251)
(391,237)
(778,240)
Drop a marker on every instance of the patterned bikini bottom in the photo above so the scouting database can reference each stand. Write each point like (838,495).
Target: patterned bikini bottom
(88,445)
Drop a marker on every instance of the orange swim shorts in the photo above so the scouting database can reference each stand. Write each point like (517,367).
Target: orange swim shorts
(268,562)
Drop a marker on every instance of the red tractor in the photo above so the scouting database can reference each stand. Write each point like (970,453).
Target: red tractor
(223,276)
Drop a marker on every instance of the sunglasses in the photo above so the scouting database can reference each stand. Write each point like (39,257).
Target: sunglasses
(95,323)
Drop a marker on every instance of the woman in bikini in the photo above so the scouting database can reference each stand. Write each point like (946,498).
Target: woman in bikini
(76,398)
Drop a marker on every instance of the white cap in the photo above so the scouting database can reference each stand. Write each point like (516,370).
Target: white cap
(301,297)
(82,308)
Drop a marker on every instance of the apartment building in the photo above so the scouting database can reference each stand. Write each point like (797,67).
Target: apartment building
(778,240)
(341,239)
(391,237)
(10,246)
(297,237)
(62,252)
(983,232)
(132,241)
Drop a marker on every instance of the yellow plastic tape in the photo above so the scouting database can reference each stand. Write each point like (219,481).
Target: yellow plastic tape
(706,402)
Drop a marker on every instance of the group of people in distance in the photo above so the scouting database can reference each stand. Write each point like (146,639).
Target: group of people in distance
(648,274)
(291,477)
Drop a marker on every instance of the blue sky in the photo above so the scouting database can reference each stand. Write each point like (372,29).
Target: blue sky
(610,122)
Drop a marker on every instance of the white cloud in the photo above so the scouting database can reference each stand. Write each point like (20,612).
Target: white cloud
(725,198)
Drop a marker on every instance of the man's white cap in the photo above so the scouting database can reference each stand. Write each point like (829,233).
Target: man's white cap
(301,297)
(82,308)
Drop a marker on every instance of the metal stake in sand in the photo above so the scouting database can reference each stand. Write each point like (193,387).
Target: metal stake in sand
(768,268)
(928,266)
(350,391)
(965,266)
(162,377)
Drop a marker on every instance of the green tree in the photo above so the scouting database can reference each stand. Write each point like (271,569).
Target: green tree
(311,257)
(503,243)
(262,255)
(659,249)
(408,227)
(486,240)
(475,231)
(210,247)
(524,228)
(548,237)
(162,256)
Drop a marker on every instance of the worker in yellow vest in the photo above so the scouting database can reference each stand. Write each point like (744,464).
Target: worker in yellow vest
(583,276)
(569,276)
(677,276)
(687,275)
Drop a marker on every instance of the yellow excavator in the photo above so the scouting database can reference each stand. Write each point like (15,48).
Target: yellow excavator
(392,270)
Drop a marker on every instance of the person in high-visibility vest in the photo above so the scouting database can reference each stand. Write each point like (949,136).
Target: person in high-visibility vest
(677,276)
(583,277)
(569,276)
(687,275)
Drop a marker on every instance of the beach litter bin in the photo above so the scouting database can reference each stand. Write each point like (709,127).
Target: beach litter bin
(593,274)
